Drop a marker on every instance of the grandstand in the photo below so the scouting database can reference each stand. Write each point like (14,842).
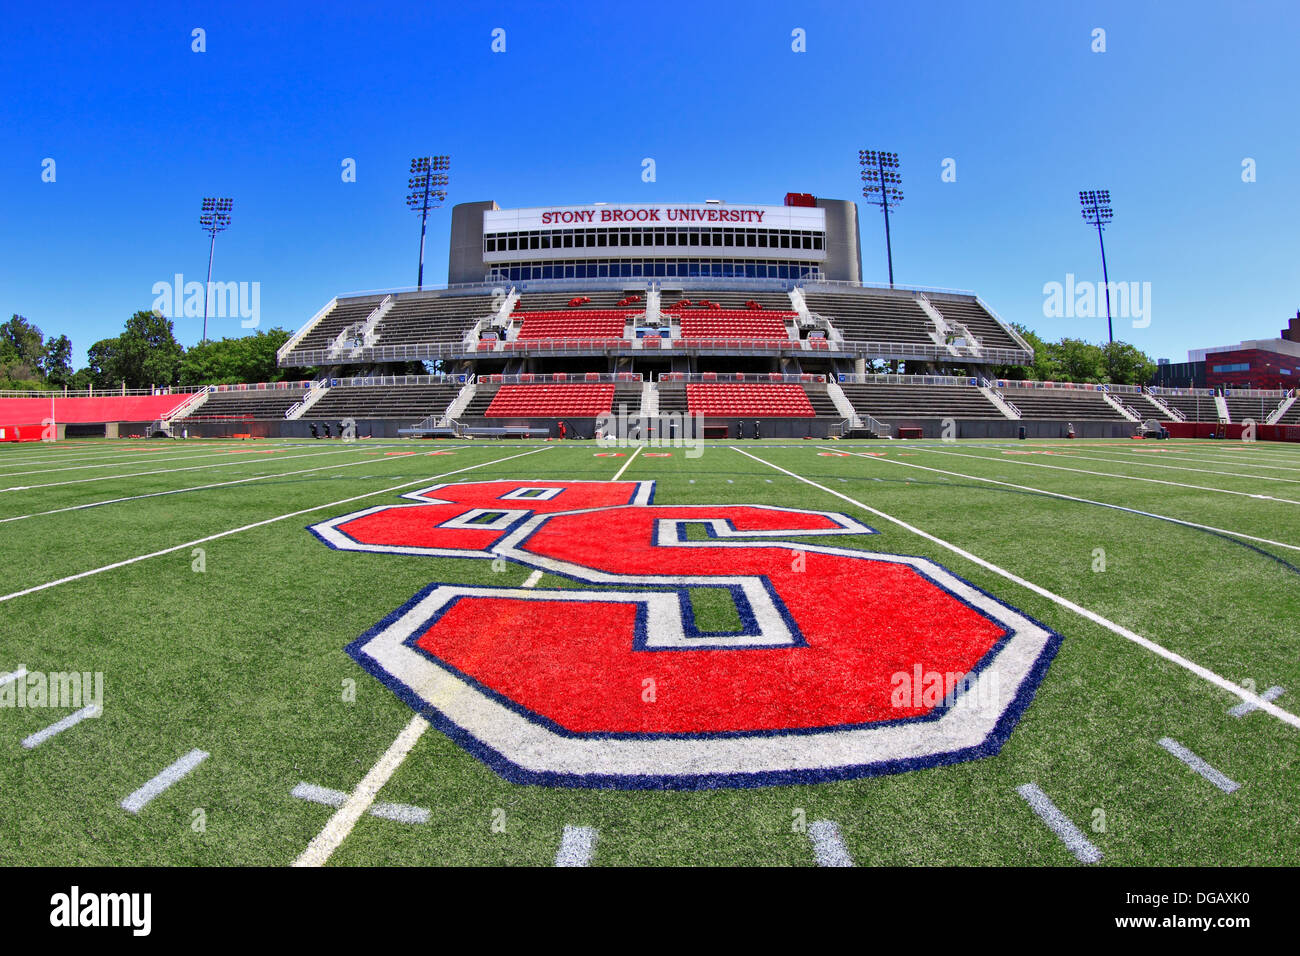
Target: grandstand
(920,401)
(768,322)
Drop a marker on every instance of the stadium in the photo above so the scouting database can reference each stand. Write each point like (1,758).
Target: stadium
(658,530)
(763,331)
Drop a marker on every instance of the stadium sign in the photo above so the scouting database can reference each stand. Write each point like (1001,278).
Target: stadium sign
(846,663)
(772,217)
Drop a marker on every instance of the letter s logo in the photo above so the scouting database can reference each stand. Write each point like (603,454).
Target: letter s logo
(546,684)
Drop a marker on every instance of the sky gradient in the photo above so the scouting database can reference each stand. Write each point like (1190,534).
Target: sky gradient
(141,127)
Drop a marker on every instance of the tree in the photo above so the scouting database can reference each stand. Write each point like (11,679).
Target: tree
(248,358)
(56,365)
(103,363)
(1127,365)
(147,352)
(1080,361)
(22,347)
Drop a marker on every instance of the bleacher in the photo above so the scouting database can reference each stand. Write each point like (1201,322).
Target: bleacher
(258,403)
(719,323)
(746,400)
(553,400)
(1065,404)
(573,324)
(427,318)
(1194,408)
(921,401)
(1256,408)
(982,325)
(345,312)
(874,317)
(383,401)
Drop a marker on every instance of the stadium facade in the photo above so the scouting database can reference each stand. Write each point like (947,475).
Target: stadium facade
(751,318)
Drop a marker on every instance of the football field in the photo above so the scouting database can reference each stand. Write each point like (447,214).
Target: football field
(239,724)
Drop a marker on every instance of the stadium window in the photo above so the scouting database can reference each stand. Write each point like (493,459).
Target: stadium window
(818,241)
(693,238)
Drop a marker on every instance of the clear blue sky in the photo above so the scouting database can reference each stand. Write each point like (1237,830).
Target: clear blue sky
(141,128)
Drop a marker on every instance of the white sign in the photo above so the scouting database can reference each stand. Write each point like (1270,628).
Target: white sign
(699,214)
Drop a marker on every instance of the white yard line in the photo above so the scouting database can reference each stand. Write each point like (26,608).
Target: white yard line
(58,727)
(179,491)
(1104,474)
(341,824)
(249,527)
(577,846)
(626,463)
(169,471)
(1242,709)
(358,802)
(1086,501)
(1141,463)
(1198,765)
(1059,823)
(828,846)
(112,464)
(138,800)
(1202,672)
(1137,458)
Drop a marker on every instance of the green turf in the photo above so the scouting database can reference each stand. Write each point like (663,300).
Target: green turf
(245,658)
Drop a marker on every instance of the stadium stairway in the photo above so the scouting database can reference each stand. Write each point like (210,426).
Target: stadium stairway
(1167,412)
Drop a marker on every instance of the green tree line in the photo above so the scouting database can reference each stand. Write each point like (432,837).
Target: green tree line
(145,354)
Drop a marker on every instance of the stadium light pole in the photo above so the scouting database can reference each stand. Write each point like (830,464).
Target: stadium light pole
(428,176)
(880,185)
(214,217)
(1097,212)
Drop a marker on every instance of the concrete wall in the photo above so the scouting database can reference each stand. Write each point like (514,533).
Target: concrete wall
(843,253)
(465,251)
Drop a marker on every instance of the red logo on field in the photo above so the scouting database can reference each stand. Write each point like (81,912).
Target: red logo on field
(606,679)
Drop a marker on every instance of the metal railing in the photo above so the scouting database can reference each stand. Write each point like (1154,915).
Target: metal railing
(746,377)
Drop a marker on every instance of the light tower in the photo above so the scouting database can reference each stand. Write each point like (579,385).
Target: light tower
(1097,212)
(214,217)
(428,176)
(880,185)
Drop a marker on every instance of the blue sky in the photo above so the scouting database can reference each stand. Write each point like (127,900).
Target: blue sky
(140,128)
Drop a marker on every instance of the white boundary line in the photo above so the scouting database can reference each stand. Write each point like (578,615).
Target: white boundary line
(250,527)
(1086,501)
(828,846)
(1104,474)
(12,676)
(1216,777)
(1242,709)
(1202,672)
(1141,463)
(1059,823)
(340,825)
(1127,458)
(345,818)
(112,464)
(141,798)
(179,491)
(168,471)
(626,463)
(577,846)
(38,738)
